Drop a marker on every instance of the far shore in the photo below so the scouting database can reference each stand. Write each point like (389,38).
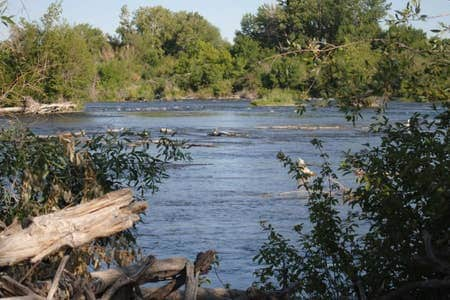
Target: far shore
(35,107)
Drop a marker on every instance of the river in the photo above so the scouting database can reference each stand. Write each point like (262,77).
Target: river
(217,200)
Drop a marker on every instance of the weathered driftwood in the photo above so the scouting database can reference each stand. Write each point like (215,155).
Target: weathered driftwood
(202,294)
(12,288)
(83,223)
(71,227)
(55,283)
(125,280)
(29,106)
(218,294)
(179,270)
(160,270)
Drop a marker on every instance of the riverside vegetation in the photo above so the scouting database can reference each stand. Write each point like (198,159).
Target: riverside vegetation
(394,241)
(286,52)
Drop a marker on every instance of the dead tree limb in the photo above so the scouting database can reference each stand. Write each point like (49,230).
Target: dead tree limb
(12,288)
(126,280)
(190,292)
(32,107)
(71,227)
(164,291)
(58,274)
(173,269)
(202,294)
(160,270)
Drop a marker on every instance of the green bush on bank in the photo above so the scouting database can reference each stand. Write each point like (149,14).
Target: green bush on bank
(39,175)
(278,97)
(383,237)
(162,54)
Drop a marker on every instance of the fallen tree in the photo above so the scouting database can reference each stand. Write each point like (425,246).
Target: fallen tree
(72,227)
(40,237)
(30,106)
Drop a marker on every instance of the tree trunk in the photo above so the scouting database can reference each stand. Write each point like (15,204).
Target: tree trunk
(71,227)
(30,106)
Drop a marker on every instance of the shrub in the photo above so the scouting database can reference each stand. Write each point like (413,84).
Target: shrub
(394,240)
(42,174)
(278,97)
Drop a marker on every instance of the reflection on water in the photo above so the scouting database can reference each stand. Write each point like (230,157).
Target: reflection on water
(218,200)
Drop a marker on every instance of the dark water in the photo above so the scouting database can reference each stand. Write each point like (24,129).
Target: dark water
(218,199)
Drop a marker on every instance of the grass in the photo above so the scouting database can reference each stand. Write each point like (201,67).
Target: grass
(278,97)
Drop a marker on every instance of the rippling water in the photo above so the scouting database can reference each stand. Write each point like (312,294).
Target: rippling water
(217,200)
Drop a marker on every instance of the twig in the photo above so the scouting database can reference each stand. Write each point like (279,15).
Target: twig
(126,280)
(17,289)
(328,47)
(166,290)
(55,282)
(29,272)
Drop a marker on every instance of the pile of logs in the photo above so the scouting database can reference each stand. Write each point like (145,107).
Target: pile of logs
(30,106)
(73,227)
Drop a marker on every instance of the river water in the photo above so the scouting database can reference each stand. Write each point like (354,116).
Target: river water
(217,200)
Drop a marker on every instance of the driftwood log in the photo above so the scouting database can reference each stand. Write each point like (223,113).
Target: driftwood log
(30,106)
(73,227)
(79,225)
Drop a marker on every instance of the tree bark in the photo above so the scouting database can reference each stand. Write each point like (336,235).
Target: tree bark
(71,227)
(160,270)
(30,106)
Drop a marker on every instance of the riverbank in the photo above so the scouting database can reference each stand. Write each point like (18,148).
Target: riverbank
(30,106)
(267,98)
(278,97)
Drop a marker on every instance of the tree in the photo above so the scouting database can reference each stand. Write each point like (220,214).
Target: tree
(286,73)
(298,21)
(410,61)
(49,60)
(393,240)
(203,66)
(266,26)
(348,75)
(174,32)
(387,235)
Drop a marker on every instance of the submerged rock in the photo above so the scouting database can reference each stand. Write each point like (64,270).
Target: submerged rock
(167,131)
(216,132)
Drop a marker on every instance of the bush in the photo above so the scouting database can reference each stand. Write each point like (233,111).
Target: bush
(41,174)
(394,240)
(278,97)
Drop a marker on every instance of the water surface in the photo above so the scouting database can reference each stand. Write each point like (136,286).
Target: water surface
(218,200)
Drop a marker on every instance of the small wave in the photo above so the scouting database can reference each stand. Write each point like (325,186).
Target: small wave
(301,127)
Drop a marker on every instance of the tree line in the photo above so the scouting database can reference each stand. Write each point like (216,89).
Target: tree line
(286,51)
(386,237)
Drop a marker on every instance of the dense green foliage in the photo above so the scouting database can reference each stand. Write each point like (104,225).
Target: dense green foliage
(388,236)
(329,49)
(39,175)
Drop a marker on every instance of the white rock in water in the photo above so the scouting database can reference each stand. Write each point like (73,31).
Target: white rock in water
(167,131)
(301,164)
